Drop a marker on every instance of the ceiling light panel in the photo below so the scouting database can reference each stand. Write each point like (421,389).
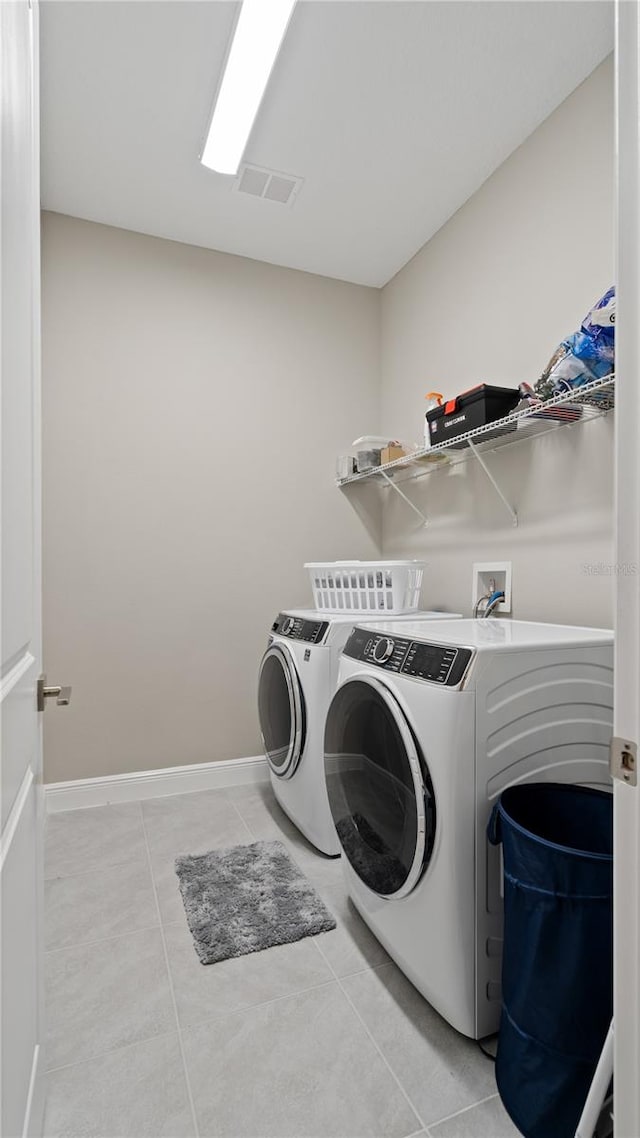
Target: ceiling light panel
(259,33)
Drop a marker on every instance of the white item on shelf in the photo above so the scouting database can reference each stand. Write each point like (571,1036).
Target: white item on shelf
(366,586)
(366,442)
(345,466)
(433,399)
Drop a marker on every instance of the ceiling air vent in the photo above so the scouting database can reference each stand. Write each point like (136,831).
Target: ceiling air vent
(261,183)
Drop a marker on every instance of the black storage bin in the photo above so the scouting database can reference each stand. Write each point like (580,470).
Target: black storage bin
(557,965)
(474,408)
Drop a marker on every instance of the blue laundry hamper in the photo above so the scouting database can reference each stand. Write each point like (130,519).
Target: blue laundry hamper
(557,967)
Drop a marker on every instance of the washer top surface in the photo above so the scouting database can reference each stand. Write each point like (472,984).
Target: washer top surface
(367,618)
(491,634)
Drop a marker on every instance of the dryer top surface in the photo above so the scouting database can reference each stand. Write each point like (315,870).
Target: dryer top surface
(494,635)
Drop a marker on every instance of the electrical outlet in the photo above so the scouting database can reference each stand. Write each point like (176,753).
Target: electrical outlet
(489,576)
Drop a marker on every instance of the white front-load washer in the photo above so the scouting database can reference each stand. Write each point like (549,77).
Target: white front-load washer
(298,676)
(427,727)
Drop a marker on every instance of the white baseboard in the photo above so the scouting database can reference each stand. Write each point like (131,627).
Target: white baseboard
(154,784)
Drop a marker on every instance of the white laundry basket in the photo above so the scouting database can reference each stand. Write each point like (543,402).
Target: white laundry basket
(366,586)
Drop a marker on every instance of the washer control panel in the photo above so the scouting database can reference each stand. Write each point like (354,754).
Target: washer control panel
(384,651)
(297,628)
(441,664)
(436,663)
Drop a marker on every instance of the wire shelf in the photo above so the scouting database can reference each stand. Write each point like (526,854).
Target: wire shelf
(591,401)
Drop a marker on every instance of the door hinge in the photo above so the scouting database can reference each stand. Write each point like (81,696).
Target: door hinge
(623,760)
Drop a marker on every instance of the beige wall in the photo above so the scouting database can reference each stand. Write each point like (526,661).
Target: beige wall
(193,407)
(488,299)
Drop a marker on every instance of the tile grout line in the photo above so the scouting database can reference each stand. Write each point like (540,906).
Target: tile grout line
(170,981)
(111,1051)
(101,939)
(92,872)
(263,1004)
(358,971)
(377,1048)
(243,820)
(464,1109)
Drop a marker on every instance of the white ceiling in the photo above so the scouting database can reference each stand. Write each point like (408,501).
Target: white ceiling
(392,112)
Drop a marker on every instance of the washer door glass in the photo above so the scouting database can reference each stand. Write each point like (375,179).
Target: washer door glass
(380,793)
(281,711)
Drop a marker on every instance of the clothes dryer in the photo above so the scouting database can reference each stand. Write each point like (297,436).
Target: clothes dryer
(428,725)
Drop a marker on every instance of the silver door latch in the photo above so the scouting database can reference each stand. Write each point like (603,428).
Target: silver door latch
(623,760)
(62,696)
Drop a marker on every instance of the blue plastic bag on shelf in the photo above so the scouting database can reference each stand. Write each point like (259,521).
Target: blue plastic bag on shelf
(584,356)
(600,325)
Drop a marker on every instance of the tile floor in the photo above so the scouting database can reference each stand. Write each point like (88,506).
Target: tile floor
(319,1039)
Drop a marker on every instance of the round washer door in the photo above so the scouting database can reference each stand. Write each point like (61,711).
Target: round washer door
(281,711)
(380,792)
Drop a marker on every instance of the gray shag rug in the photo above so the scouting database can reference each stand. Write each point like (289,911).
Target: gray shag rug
(247,898)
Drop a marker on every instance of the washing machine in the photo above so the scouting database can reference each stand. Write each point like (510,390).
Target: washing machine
(298,676)
(428,725)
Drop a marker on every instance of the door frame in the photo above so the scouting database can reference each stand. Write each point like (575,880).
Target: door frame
(27,65)
(627,571)
(35,1120)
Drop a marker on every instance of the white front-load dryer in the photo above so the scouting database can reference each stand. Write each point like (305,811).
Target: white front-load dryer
(427,727)
(298,676)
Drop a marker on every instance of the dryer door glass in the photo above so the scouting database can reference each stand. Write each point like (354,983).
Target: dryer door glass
(281,711)
(380,792)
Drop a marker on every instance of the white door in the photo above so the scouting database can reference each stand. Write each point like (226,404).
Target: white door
(20,629)
(627,667)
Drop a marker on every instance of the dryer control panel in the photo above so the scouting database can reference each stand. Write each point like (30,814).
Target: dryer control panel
(297,628)
(436,663)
